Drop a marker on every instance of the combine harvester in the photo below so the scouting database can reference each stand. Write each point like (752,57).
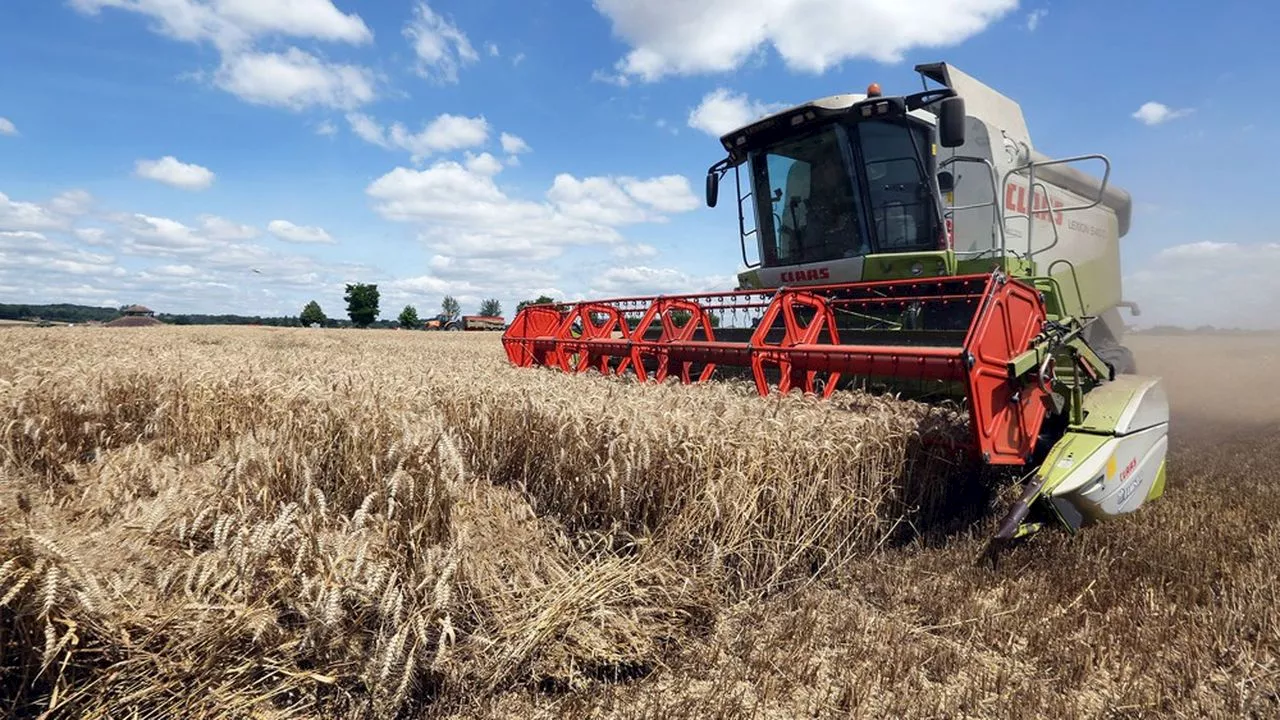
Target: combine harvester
(918,244)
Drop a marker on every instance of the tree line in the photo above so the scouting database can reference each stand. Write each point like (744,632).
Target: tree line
(363,307)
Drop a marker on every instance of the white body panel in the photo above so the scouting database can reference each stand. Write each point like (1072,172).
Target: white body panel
(1117,477)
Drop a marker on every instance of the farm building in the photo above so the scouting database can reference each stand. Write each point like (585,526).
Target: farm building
(135,316)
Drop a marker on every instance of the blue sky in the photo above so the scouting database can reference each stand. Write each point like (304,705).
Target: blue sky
(251,155)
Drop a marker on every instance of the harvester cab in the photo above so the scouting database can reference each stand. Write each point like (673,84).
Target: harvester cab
(916,243)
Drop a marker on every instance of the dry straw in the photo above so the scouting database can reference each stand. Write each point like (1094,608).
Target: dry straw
(229,522)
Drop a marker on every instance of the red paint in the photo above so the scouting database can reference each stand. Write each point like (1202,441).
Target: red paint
(1015,199)
(806,275)
(1128,469)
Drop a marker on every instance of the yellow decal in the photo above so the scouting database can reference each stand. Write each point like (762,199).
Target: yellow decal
(1111,466)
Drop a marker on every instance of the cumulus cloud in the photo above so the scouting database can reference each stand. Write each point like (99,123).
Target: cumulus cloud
(1225,284)
(301,18)
(514,144)
(723,110)
(292,79)
(668,193)
(1154,113)
(23,215)
(644,280)
(483,164)
(7,127)
(171,171)
(701,36)
(464,213)
(232,24)
(302,234)
(295,80)
(443,134)
(441,48)
(71,203)
(204,265)
(220,228)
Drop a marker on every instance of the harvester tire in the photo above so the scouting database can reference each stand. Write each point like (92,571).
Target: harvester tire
(1121,358)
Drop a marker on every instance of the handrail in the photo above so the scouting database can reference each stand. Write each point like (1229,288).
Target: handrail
(1030,168)
(742,226)
(996,212)
(1075,279)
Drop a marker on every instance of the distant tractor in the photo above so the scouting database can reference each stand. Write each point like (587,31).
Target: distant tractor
(464,322)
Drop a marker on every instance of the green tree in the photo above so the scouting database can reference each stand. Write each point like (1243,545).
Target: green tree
(409,318)
(313,314)
(491,307)
(362,303)
(542,300)
(450,306)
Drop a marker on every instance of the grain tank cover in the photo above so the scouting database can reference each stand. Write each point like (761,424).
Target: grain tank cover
(981,101)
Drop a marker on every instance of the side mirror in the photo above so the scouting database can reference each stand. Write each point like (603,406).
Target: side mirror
(946,182)
(713,188)
(951,122)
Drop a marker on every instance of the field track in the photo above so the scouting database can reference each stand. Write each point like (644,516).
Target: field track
(226,522)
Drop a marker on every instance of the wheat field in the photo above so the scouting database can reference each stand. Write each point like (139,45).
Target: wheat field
(234,522)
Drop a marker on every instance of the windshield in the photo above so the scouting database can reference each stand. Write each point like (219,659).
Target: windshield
(818,210)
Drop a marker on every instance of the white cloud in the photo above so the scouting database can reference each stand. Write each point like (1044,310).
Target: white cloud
(699,36)
(27,257)
(71,203)
(327,129)
(493,49)
(1034,17)
(302,18)
(440,46)
(203,266)
(171,171)
(514,144)
(483,164)
(302,234)
(18,216)
(294,80)
(219,228)
(595,199)
(668,193)
(618,201)
(722,111)
(636,251)
(1154,113)
(7,127)
(643,280)
(1225,284)
(443,134)
(465,214)
(232,24)
(91,236)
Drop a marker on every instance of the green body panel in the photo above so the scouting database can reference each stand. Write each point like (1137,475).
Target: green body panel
(1103,407)
(897,266)
(1012,266)
(1157,488)
(749,280)
(1073,449)
(1076,290)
